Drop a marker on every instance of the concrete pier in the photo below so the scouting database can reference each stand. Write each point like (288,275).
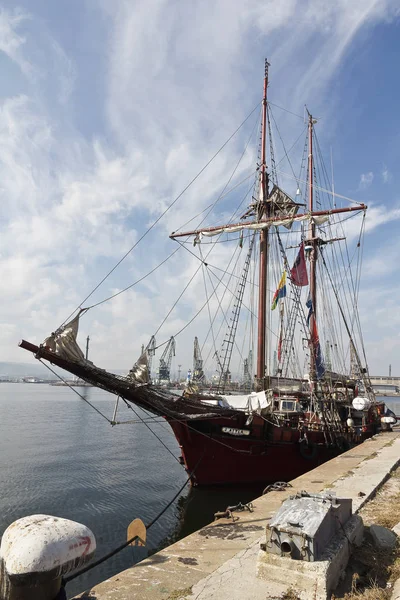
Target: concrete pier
(219,561)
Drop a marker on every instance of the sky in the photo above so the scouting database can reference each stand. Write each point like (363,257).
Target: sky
(109,109)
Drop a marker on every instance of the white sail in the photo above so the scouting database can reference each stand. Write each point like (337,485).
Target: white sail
(317,219)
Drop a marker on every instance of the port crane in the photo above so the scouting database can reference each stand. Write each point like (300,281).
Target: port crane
(164,371)
(198,373)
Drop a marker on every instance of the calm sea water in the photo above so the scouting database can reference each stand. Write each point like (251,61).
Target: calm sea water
(59,457)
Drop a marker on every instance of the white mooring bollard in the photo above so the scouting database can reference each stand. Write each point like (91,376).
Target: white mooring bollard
(36,552)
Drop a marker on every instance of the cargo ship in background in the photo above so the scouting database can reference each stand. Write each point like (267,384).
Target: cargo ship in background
(297,287)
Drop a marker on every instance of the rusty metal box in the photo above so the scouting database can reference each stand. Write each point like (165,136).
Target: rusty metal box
(305,524)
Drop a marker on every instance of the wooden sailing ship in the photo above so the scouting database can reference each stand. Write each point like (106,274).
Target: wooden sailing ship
(284,425)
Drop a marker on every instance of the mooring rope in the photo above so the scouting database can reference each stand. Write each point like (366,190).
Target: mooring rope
(129,541)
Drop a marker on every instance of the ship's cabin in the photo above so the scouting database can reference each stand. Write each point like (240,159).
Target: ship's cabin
(287,404)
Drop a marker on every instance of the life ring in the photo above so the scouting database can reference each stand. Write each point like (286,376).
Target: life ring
(308,450)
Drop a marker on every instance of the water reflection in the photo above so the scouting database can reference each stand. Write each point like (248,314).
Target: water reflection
(196,507)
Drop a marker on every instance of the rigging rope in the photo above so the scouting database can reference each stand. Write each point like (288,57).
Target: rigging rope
(187,285)
(292,146)
(163,213)
(321,189)
(224,271)
(208,303)
(208,253)
(222,195)
(153,432)
(129,541)
(76,392)
(352,286)
(286,110)
(135,283)
(112,423)
(220,301)
(363,376)
(284,148)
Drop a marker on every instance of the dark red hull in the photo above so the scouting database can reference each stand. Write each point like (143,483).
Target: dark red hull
(229,446)
(223,460)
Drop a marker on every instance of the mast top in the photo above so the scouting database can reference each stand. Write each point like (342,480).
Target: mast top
(312,120)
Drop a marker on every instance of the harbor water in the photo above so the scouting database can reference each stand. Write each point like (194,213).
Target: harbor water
(60,457)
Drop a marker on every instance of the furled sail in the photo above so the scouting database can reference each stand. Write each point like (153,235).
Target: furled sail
(140,370)
(63,342)
(258,225)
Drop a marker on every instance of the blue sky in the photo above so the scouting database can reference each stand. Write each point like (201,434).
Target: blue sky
(108,109)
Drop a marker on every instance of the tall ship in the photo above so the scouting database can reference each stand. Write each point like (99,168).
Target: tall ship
(308,396)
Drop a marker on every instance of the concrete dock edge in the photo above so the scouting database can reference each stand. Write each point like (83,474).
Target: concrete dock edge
(225,551)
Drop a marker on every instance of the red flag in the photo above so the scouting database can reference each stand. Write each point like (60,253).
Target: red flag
(298,274)
(280,347)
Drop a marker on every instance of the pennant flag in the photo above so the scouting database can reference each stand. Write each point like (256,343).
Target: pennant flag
(319,361)
(310,308)
(298,274)
(280,292)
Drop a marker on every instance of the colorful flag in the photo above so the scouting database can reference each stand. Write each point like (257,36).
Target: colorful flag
(280,292)
(298,274)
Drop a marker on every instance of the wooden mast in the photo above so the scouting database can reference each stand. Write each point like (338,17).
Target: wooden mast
(314,248)
(263,212)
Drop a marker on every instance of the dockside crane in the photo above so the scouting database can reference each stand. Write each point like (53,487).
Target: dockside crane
(164,371)
(198,373)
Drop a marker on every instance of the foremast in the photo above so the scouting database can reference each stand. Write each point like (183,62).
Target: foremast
(263,211)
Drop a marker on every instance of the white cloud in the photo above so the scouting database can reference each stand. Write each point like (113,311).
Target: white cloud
(11,42)
(386,174)
(177,83)
(366,180)
(66,72)
(379,215)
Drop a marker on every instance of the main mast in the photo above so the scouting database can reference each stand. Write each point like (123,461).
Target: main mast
(266,217)
(312,242)
(263,212)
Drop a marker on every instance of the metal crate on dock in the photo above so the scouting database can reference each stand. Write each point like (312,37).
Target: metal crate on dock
(305,524)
